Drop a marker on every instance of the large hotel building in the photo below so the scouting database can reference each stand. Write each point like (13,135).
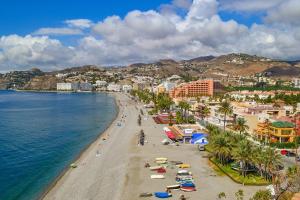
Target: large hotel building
(193,89)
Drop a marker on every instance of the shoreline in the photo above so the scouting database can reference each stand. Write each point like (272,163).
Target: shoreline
(100,137)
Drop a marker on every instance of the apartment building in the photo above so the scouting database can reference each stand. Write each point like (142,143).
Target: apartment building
(193,89)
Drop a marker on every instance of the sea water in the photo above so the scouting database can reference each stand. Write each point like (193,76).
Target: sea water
(42,133)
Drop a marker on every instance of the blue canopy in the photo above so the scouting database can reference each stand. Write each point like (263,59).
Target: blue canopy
(199,138)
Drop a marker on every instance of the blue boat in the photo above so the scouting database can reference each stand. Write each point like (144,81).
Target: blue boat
(162,195)
(188,184)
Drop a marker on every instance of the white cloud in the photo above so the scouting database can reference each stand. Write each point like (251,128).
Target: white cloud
(249,5)
(202,9)
(79,23)
(18,52)
(286,13)
(58,31)
(152,35)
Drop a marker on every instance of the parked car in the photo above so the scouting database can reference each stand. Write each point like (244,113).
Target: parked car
(290,154)
(201,147)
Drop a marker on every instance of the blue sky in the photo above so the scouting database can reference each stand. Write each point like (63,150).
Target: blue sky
(54,34)
(25,16)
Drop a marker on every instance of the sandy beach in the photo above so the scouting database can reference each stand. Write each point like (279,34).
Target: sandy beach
(113,169)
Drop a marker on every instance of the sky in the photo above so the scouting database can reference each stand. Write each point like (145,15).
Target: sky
(55,34)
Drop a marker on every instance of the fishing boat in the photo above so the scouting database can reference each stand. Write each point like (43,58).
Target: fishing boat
(184,166)
(161,159)
(162,195)
(146,194)
(173,186)
(161,170)
(188,189)
(188,184)
(154,168)
(157,176)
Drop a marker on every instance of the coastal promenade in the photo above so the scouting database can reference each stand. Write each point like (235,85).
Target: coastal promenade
(118,172)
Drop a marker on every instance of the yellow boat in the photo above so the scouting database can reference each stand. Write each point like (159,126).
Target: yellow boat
(182,166)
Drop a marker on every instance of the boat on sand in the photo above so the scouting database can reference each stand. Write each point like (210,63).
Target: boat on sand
(157,176)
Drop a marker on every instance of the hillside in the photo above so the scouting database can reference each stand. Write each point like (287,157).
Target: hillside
(219,67)
(225,65)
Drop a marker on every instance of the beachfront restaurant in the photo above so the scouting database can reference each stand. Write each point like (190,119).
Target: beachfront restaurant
(188,133)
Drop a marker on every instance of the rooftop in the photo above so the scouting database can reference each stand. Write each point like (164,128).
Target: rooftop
(282,124)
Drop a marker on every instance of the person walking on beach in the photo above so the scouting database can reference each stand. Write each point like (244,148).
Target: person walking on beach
(182,197)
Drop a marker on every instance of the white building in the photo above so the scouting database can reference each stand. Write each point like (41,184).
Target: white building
(114,87)
(296,82)
(100,83)
(168,85)
(67,86)
(85,87)
(126,88)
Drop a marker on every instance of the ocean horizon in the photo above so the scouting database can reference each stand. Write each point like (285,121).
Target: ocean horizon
(42,133)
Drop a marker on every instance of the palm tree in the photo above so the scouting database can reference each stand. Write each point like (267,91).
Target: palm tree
(164,102)
(204,112)
(225,109)
(272,160)
(181,105)
(221,147)
(179,119)
(171,117)
(267,126)
(243,154)
(184,106)
(241,125)
(259,158)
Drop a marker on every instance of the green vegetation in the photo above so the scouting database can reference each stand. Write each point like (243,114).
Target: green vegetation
(204,112)
(162,102)
(251,179)
(289,99)
(241,125)
(285,145)
(252,164)
(225,109)
(265,88)
(262,195)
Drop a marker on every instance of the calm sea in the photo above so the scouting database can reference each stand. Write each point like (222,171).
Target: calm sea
(41,133)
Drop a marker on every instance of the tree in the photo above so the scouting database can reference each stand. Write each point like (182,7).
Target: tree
(259,158)
(273,160)
(184,107)
(262,195)
(243,154)
(239,195)
(225,109)
(171,117)
(222,148)
(222,195)
(204,112)
(164,102)
(241,125)
(179,119)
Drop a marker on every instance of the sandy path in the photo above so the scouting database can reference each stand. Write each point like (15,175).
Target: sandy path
(101,177)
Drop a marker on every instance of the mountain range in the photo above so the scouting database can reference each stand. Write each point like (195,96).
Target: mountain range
(229,65)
